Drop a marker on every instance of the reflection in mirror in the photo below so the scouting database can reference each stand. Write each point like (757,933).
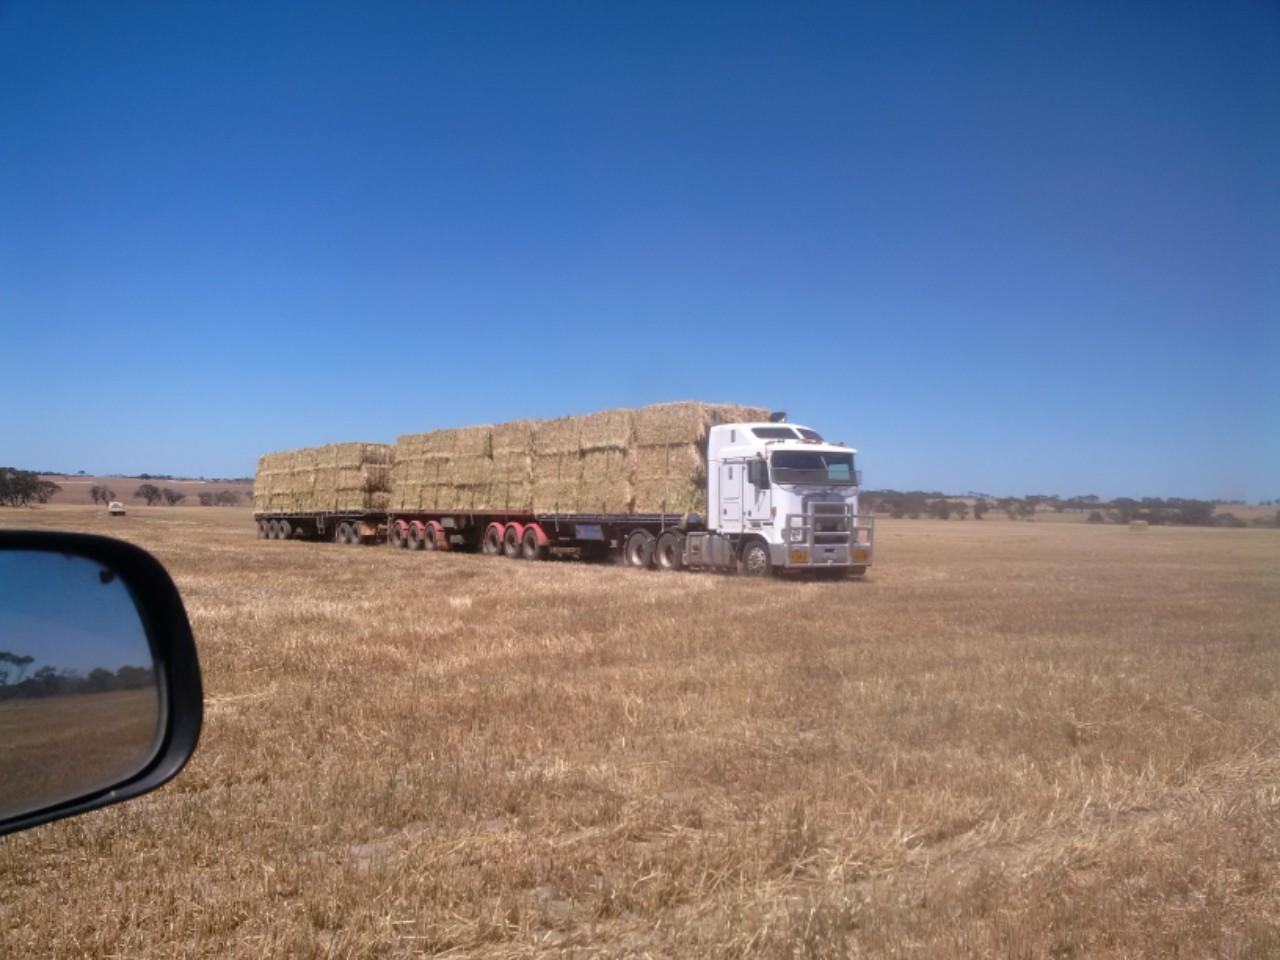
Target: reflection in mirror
(79,701)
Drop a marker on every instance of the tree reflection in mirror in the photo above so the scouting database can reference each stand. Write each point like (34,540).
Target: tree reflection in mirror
(79,701)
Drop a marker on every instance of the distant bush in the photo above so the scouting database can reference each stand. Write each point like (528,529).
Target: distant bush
(21,488)
(1095,516)
(223,498)
(1229,520)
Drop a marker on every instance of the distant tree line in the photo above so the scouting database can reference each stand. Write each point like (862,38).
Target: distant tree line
(914,504)
(50,682)
(21,488)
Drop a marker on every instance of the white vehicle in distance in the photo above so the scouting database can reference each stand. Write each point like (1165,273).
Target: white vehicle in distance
(115,508)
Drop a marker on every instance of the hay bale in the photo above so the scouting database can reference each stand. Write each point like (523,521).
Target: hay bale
(342,476)
(516,436)
(556,437)
(669,496)
(607,430)
(669,423)
(682,460)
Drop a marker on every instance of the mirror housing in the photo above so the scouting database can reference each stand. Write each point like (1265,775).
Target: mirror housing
(82,768)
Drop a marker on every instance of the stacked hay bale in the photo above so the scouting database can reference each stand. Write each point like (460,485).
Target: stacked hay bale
(651,460)
(510,484)
(337,476)
(557,465)
(604,442)
(669,453)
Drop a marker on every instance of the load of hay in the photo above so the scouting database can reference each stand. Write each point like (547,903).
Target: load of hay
(334,477)
(650,460)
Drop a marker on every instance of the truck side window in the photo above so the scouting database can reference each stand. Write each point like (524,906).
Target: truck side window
(731,473)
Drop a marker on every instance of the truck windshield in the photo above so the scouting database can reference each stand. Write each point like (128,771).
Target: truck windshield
(796,466)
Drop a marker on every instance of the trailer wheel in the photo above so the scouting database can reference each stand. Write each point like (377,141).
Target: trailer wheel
(398,534)
(756,561)
(433,533)
(284,530)
(263,532)
(639,549)
(669,552)
(512,539)
(414,535)
(532,546)
(492,543)
(343,533)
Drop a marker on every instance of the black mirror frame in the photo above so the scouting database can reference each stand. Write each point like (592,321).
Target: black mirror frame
(172,646)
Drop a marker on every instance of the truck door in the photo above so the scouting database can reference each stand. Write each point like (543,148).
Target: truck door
(731,497)
(756,502)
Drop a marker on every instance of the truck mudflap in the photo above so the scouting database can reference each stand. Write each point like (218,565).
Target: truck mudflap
(828,536)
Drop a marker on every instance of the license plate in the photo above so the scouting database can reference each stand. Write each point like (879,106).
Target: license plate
(798,556)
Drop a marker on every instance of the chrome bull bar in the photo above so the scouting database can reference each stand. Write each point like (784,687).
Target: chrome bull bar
(828,534)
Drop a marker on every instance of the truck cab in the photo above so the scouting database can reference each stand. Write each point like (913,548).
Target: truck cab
(782,485)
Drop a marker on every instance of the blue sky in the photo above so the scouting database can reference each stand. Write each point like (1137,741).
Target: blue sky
(1009,247)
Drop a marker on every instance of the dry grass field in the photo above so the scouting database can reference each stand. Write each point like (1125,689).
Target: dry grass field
(1011,740)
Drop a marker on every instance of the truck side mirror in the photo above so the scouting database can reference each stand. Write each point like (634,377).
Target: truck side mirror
(100,695)
(758,474)
(857,478)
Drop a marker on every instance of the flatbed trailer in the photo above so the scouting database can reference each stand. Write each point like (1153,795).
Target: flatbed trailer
(663,541)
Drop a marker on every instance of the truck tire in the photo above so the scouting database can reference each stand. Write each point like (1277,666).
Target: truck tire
(284,530)
(398,534)
(343,533)
(263,532)
(756,561)
(492,543)
(669,552)
(416,535)
(531,547)
(511,542)
(432,536)
(639,549)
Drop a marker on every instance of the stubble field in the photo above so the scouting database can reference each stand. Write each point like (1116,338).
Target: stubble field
(1012,739)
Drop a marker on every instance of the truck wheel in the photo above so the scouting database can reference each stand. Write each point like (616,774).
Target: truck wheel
(263,532)
(492,543)
(530,547)
(669,553)
(415,535)
(398,534)
(756,561)
(639,549)
(285,530)
(431,536)
(343,533)
(511,542)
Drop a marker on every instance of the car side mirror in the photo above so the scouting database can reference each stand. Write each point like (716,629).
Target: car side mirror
(100,695)
(758,474)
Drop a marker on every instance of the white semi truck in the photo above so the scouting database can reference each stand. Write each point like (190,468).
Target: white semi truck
(779,498)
